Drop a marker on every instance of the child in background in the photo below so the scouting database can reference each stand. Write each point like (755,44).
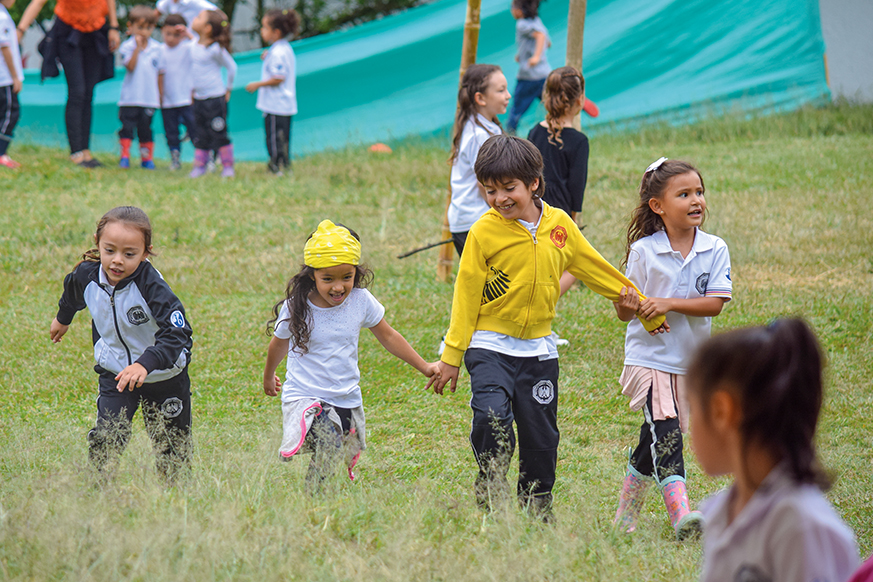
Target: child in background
(187,9)
(277,93)
(318,323)
(208,56)
(11,80)
(482,97)
(755,398)
(532,40)
(505,295)
(564,149)
(176,85)
(142,342)
(686,274)
(140,92)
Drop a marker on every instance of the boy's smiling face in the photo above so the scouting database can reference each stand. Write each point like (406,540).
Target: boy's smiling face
(513,199)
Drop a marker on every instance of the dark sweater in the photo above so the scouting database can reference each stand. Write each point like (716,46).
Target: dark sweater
(565,168)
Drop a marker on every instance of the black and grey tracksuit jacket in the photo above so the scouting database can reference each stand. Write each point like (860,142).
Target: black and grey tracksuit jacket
(140,320)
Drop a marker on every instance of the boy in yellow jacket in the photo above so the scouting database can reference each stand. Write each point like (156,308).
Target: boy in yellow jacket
(505,294)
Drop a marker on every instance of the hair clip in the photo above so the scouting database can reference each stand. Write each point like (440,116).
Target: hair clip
(655,165)
(285,12)
(224,23)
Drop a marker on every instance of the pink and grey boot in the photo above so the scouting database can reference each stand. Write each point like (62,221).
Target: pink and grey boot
(200,159)
(686,523)
(226,155)
(631,500)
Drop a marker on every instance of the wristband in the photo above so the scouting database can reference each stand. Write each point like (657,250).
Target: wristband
(21,30)
(113,28)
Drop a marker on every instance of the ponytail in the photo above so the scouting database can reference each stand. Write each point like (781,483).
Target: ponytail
(475,80)
(563,87)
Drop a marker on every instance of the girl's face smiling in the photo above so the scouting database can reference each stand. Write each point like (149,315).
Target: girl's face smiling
(332,285)
(122,248)
(493,101)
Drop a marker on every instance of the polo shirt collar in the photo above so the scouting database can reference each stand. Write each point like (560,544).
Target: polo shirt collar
(702,242)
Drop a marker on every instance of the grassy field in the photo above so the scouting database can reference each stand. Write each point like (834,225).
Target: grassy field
(791,195)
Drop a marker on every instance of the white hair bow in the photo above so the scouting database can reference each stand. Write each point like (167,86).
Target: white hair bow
(655,165)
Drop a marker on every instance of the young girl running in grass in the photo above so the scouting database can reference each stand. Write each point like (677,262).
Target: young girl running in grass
(277,93)
(317,326)
(482,97)
(755,398)
(208,56)
(142,342)
(687,275)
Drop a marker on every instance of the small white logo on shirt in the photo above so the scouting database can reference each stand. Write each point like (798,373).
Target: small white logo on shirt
(177,319)
(544,391)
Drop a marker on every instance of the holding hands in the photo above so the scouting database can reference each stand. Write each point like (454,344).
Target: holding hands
(445,374)
(629,305)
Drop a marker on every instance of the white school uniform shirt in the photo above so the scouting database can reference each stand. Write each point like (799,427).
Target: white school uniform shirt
(140,86)
(279,62)
(467,205)
(787,532)
(659,271)
(178,84)
(9,38)
(329,370)
(189,9)
(206,65)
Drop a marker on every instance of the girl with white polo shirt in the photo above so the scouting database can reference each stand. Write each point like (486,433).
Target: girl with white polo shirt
(685,274)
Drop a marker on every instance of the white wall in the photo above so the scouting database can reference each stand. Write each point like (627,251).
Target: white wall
(847,26)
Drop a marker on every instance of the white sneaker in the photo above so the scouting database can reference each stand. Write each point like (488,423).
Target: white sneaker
(559,341)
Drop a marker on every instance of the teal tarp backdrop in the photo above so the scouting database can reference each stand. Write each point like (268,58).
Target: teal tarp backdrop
(397,77)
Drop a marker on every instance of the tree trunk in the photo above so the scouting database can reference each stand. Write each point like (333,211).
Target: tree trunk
(575,34)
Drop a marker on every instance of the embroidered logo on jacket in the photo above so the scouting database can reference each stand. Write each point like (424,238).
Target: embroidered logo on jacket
(702,282)
(496,285)
(544,391)
(559,236)
(137,315)
(176,319)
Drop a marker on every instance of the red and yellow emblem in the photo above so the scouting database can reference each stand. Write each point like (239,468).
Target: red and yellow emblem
(559,236)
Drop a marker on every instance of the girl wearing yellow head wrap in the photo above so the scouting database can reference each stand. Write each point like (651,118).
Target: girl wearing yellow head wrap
(317,326)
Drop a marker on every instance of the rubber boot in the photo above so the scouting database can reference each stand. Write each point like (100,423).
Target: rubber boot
(125,142)
(200,159)
(146,154)
(686,523)
(631,500)
(226,155)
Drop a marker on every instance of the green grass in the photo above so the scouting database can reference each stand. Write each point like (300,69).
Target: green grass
(791,195)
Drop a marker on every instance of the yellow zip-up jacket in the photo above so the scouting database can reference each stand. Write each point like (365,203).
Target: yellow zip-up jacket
(509,281)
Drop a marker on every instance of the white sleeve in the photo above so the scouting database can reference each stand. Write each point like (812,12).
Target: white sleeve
(373,310)
(161,6)
(277,66)
(7,31)
(719,284)
(283,329)
(126,50)
(228,62)
(636,267)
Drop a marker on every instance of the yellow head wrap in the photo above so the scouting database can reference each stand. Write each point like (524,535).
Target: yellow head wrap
(331,245)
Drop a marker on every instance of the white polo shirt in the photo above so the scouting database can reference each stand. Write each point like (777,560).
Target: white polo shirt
(178,83)
(467,204)
(140,86)
(9,38)
(206,65)
(189,9)
(279,62)
(787,532)
(659,271)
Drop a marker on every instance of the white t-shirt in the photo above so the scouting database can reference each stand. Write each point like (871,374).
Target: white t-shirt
(189,9)
(206,65)
(467,204)
(659,271)
(786,533)
(177,74)
(329,371)
(140,86)
(9,38)
(279,62)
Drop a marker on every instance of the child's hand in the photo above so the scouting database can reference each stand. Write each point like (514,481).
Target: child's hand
(131,377)
(629,299)
(665,328)
(447,373)
(57,330)
(272,386)
(264,54)
(433,371)
(252,87)
(142,42)
(16,86)
(654,306)
(533,61)
(227,96)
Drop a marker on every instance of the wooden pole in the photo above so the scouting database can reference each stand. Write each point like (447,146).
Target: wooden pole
(468,57)
(575,34)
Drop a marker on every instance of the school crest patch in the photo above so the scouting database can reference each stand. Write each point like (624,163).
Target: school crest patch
(137,315)
(217,124)
(544,391)
(496,285)
(172,407)
(702,282)
(559,236)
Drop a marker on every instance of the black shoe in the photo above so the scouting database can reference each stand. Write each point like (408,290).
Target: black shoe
(92,163)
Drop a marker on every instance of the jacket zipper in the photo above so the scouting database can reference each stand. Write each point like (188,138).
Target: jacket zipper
(533,287)
(117,329)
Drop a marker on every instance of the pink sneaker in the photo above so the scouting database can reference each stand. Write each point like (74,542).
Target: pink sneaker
(5,160)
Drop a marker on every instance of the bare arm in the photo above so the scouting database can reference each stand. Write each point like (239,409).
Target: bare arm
(275,353)
(255,85)
(29,15)
(697,307)
(161,88)
(540,40)
(628,304)
(114,36)
(397,345)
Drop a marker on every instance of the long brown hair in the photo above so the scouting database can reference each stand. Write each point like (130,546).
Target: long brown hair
(644,221)
(130,215)
(475,80)
(563,87)
(219,26)
(297,298)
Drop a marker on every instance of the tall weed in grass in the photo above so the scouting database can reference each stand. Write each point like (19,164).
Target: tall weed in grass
(791,195)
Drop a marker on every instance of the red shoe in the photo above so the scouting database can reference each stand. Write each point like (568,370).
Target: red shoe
(5,160)
(590,108)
